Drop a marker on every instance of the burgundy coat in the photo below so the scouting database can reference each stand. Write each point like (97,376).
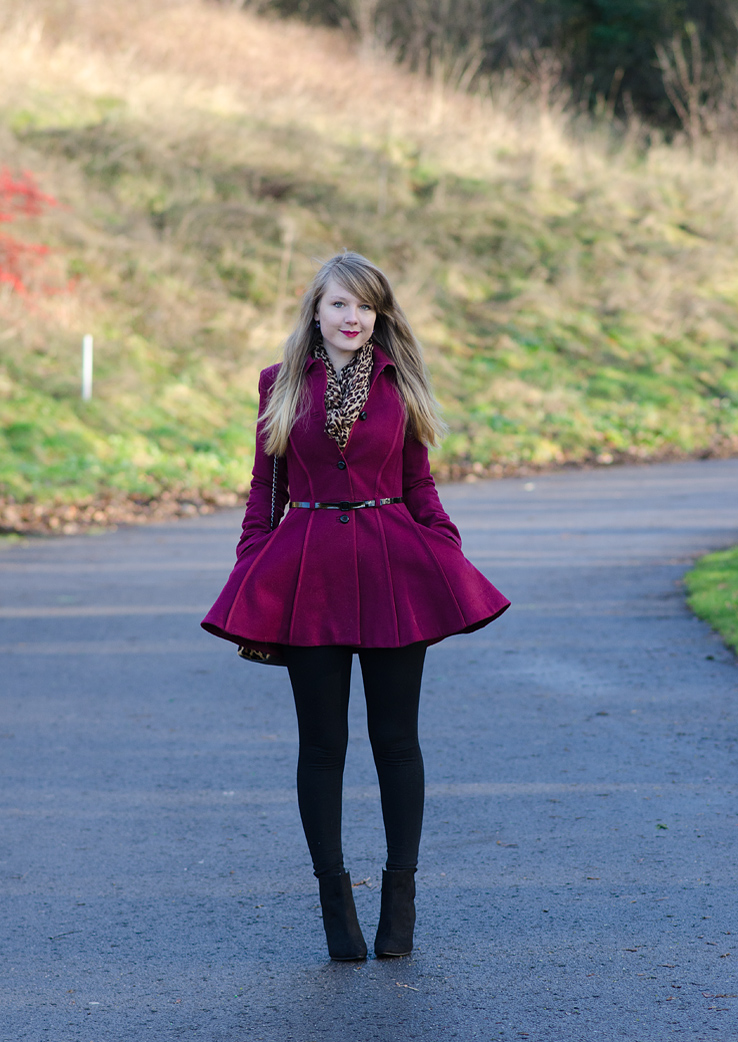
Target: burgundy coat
(376,577)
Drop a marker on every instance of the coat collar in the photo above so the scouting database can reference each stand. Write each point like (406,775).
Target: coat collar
(381,361)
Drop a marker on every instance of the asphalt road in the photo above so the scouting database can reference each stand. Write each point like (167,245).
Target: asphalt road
(578,872)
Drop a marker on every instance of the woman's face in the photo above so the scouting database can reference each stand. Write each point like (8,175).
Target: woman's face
(346,323)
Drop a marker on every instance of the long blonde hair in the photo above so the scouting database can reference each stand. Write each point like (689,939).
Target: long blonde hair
(391,330)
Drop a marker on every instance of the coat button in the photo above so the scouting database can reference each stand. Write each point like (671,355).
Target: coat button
(362,415)
(344,519)
(341,464)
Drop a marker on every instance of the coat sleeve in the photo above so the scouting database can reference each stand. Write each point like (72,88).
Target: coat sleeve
(257,519)
(420,494)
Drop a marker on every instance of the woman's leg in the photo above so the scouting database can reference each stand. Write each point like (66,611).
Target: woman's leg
(320,680)
(392,679)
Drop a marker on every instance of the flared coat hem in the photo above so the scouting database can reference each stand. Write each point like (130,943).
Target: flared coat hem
(271,649)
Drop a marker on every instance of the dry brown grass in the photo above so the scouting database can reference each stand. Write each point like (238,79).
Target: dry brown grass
(176,61)
(182,54)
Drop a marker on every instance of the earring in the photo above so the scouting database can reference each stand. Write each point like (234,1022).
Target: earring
(317,323)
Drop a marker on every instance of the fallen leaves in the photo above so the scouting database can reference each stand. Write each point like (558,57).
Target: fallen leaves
(106,511)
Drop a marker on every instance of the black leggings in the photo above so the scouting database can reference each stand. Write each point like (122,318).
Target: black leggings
(320,680)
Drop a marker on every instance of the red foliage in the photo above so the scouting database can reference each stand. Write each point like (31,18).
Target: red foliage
(20,197)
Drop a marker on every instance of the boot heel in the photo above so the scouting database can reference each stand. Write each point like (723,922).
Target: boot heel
(342,930)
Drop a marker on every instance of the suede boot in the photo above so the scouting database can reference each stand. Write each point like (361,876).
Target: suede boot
(397,915)
(342,930)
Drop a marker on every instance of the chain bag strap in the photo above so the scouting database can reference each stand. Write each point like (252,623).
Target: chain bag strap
(266,658)
(274,493)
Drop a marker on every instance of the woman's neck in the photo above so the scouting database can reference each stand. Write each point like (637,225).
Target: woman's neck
(338,361)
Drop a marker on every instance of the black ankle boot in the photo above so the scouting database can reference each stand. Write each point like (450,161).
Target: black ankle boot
(397,917)
(342,930)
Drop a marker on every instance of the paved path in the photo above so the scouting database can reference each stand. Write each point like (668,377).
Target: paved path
(578,876)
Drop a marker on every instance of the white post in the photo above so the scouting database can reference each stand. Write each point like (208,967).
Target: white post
(86,367)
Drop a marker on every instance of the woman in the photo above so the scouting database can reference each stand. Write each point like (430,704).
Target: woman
(365,562)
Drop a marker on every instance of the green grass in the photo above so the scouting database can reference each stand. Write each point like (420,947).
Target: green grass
(577,296)
(713,593)
(9,540)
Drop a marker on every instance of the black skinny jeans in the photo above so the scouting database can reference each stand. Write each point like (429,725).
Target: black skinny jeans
(320,680)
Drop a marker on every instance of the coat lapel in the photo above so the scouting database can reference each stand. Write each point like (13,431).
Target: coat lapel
(381,361)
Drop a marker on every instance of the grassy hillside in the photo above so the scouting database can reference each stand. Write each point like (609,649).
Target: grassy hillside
(576,291)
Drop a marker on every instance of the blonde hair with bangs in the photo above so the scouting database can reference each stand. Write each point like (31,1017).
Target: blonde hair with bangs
(391,330)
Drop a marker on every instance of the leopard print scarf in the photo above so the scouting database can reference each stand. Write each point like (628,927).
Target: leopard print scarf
(345,392)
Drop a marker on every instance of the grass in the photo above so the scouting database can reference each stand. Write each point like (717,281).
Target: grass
(576,290)
(9,540)
(712,586)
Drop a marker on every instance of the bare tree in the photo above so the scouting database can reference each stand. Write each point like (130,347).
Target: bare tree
(365,16)
(683,74)
(704,93)
(449,39)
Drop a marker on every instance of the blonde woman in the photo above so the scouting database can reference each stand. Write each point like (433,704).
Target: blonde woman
(364,562)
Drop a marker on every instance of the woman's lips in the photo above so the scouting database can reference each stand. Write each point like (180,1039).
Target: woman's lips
(348,332)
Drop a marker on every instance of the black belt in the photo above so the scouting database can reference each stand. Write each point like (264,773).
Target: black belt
(348,506)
